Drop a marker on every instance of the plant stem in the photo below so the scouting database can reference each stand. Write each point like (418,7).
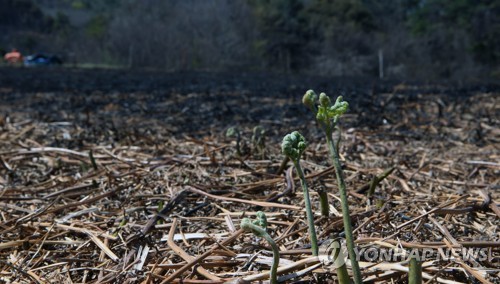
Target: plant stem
(377,179)
(342,273)
(323,203)
(92,160)
(415,273)
(283,164)
(259,231)
(345,208)
(310,216)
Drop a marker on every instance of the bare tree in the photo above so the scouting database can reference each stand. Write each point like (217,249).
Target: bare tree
(189,34)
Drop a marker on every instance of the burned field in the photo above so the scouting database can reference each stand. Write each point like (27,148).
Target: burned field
(111,177)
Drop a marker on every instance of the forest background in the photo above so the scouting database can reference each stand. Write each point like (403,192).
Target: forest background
(414,39)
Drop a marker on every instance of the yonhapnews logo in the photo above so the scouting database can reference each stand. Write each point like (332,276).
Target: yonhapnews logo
(333,254)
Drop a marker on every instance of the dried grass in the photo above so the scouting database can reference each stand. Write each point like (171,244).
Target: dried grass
(151,206)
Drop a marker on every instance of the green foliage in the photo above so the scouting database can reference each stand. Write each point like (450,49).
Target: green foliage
(97,27)
(436,13)
(23,14)
(419,39)
(328,115)
(327,111)
(293,32)
(282,31)
(325,15)
(258,227)
(259,141)
(232,132)
(293,145)
(235,132)
(100,6)
(61,24)
(309,100)
(478,19)
(78,5)
(260,221)
(28,41)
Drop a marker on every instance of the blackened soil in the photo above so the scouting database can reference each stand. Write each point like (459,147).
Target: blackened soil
(125,102)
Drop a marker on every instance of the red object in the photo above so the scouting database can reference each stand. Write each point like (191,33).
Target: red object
(13,57)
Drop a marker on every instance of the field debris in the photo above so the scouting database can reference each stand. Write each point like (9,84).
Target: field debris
(122,193)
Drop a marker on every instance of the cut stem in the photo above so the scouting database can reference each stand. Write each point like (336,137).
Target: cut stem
(377,179)
(283,164)
(323,203)
(415,273)
(92,160)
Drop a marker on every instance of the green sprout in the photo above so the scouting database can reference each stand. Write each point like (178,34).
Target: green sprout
(309,100)
(122,224)
(375,181)
(324,111)
(258,227)
(327,116)
(234,132)
(259,141)
(293,146)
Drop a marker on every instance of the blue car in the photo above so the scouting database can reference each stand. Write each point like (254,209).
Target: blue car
(40,59)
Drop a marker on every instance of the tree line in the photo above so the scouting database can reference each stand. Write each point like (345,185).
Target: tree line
(412,38)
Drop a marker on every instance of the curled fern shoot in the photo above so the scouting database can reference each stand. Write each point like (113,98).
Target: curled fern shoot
(258,227)
(293,146)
